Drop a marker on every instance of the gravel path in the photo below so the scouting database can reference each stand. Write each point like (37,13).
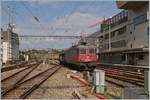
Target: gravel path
(42,67)
(57,87)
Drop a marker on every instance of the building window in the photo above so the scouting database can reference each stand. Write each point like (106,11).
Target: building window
(82,51)
(122,30)
(130,32)
(134,27)
(113,34)
(147,30)
(130,45)
(124,57)
(117,44)
(106,36)
(91,51)
(106,46)
(141,57)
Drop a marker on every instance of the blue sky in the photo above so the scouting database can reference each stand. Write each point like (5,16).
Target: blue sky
(56,17)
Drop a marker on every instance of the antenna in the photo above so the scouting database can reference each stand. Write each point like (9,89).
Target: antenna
(10,15)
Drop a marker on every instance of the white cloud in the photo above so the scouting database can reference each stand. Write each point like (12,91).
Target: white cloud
(72,24)
(41,2)
(75,23)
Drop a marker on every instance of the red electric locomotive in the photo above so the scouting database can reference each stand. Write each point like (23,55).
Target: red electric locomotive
(82,57)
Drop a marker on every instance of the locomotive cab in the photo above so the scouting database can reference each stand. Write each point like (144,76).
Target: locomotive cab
(87,57)
(82,57)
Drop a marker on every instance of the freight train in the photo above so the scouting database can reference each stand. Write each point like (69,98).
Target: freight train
(82,57)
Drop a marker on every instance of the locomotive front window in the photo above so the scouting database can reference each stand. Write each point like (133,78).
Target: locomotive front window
(91,51)
(82,51)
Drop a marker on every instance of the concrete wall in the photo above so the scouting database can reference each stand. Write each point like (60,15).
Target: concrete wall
(144,61)
(10,47)
(136,36)
(139,36)
(5,54)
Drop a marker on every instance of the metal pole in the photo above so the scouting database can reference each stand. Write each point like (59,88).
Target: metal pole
(97,48)
(109,39)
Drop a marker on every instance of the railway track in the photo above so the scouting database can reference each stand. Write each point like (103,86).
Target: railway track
(17,66)
(29,85)
(124,67)
(126,75)
(17,77)
(18,72)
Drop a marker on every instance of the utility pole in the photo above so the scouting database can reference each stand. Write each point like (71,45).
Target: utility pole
(10,23)
(10,29)
(109,26)
(109,38)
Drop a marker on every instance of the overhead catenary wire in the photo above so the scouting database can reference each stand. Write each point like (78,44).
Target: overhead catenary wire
(56,36)
(34,17)
(38,20)
(15,13)
(3,9)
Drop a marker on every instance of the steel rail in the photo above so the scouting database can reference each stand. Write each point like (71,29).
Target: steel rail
(16,66)
(17,73)
(138,83)
(35,86)
(123,66)
(124,73)
(121,69)
(116,83)
(18,81)
(33,77)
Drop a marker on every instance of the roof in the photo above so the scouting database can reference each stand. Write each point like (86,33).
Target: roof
(131,4)
(5,36)
(14,36)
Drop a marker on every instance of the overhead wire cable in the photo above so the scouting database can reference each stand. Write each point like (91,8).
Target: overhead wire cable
(34,17)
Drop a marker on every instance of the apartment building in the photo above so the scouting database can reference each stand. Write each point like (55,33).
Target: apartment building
(10,46)
(138,27)
(124,38)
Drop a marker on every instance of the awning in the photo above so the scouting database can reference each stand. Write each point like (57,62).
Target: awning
(134,50)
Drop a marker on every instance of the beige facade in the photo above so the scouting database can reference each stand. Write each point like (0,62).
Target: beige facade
(5,52)
(10,46)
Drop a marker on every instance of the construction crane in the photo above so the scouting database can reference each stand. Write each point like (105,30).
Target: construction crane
(102,20)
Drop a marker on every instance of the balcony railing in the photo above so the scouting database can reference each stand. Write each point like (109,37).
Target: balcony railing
(115,21)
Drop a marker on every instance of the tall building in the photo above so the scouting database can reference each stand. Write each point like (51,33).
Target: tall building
(124,38)
(114,37)
(1,48)
(10,46)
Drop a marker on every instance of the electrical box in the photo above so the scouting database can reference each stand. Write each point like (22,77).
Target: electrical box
(146,81)
(133,92)
(99,80)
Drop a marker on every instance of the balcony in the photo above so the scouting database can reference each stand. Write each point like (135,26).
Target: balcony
(116,20)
